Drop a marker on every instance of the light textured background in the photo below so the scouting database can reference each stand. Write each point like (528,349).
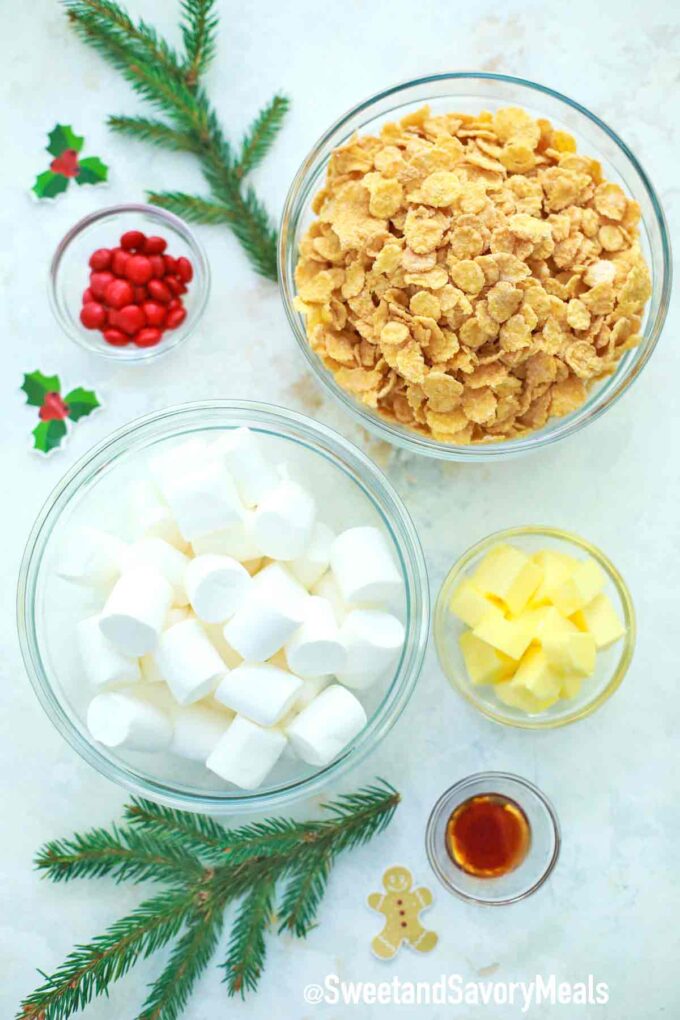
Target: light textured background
(611,907)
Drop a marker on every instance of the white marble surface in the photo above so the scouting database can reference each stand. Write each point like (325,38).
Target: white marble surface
(611,908)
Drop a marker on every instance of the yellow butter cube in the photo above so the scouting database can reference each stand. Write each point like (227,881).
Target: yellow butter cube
(537,674)
(485,665)
(586,581)
(571,653)
(557,567)
(546,621)
(600,619)
(469,604)
(508,636)
(518,696)
(571,685)
(508,574)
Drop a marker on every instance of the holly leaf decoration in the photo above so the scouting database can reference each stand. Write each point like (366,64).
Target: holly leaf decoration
(80,403)
(62,137)
(92,171)
(48,435)
(48,184)
(36,386)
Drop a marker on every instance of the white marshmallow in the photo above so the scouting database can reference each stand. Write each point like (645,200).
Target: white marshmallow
(363,565)
(163,557)
(254,475)
(102,661)
(327,588)
(150,671)
(116,719)
(261,692)
(315,648)
(314,561)
(176,614)
(246,753)
(91,557)
(203,499)
(325,727)
(272,610)
(283,521)
(151,517)
(311,687)
(197,731)
(216,586)
(135,611)
(215,634)
(237,540)
(188,661)
(175,459)
(372,640)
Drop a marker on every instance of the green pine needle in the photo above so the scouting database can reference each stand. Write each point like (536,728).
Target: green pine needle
(205,868)
(170,82)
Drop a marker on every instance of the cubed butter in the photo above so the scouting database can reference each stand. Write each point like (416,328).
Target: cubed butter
(586,581)
(571,685)
(510,575)
(517,696)
(469,604)
(484,664)
(600,619)
(546,621)
(571,653)
(537,674)
(508,636)
(557,567)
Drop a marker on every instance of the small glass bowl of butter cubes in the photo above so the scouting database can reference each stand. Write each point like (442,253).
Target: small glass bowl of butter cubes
(535,627)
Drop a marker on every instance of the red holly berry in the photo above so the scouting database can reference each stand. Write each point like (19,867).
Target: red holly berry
(157,265)
(130,319)
(93,315)
(119,260)
(155,245)
(53,407)
(66,164)
(118,293)
(176,317)
(155,313)
(100,259)
(132,239)
(115,337)
(138,269)
(159,292)
(148,337)
(185,270)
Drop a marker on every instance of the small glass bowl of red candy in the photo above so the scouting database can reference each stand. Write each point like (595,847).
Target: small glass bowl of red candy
(129,282)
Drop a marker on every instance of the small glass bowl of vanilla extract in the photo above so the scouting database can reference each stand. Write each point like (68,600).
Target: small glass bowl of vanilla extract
(493,838)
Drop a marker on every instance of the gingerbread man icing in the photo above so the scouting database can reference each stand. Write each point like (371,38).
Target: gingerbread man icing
(401,905)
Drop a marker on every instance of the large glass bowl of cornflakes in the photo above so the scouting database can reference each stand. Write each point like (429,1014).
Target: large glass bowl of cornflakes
(474,265)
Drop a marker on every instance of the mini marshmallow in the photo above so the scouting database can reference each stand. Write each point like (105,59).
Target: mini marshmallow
(216,586)
(91,557)
(197,731)
(214,633)
(151,517)
(188,661)
(327,588)
(177,614)
(363,565)
(311,687)
(102,661)
(322,729)
(272,610)
(314,561)
(118,719)
(246,753)
(203,498)
(315,648)
(237,541)
(252,472)
(179,458)
(135,611)
(261,692)
(372,640)
(283,521)
(166,559)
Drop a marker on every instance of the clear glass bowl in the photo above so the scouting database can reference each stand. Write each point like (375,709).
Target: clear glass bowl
(544,846)
(612,663)
(69,274)
(48,607)
(472,92)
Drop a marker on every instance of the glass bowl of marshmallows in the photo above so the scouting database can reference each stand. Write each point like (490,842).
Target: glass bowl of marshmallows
(223,606)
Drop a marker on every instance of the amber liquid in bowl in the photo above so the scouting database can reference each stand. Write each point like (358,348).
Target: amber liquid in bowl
(488,835)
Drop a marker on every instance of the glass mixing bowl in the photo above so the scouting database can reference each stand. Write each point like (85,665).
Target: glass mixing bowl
(470,93)
(48,607)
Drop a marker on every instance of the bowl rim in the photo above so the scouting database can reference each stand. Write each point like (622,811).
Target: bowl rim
(462,687)
(343,455)
(512,779)
(201,281)
(612,388)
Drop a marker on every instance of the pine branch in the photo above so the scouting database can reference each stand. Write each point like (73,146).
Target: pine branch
(155,131)
(247,946)
(198,31)
(190,207)
(303,896)
(195,833)
(262,134)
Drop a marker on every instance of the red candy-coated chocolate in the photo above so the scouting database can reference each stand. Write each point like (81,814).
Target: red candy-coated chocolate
(170,264)
(148,337)
(118,293)
(157,265)
(141,294)
(132,239)
(138,269)
(99,282)
(155,313)
(185,270)
(93,315)
(116,338)
(159,292)
(155,245)
(176,317)
(130,319)
(100,259)
(88,295)
(119,260)
(173,285)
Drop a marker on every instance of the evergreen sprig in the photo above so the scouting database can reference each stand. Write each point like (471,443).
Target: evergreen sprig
(171,82)
(205,869)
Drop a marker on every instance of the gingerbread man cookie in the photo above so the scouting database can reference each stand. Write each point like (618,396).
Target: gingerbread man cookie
(401,905)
